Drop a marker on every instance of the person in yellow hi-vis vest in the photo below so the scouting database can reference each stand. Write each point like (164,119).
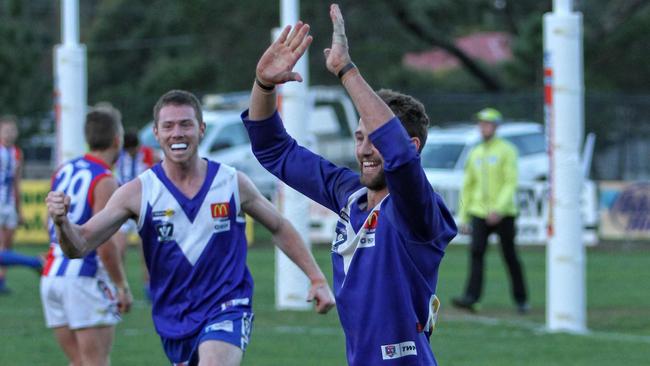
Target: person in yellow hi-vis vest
(487,205)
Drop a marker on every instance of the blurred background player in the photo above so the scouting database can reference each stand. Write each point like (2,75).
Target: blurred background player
(83,298)
(10,214)
(133,160)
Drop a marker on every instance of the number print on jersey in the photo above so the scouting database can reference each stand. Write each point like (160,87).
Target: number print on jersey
(75,185)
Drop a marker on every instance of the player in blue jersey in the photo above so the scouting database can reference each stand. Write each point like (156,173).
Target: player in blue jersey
(10,173)
(83,298)
(392,229)
(190,215)
(10,214)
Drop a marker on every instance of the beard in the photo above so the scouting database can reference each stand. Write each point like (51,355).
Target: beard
(375,183)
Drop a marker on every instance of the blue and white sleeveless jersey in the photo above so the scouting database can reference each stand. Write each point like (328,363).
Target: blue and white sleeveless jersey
(195,249)
(129,167)
(9,160)
(385,258)
(77,179)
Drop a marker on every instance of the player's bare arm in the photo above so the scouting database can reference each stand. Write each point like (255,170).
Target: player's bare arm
(287,239)
(276,67)
(77,241)
(109,251)
(373,111)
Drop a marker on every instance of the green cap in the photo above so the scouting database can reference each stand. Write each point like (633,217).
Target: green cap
(489,115)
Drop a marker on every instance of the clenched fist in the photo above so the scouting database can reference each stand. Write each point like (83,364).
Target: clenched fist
(58,204)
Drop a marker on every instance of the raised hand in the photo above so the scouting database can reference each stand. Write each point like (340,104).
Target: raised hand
(276,64)
(57,206)
(337,56)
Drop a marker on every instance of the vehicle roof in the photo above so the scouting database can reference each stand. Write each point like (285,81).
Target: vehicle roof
(467,133)
(216,117)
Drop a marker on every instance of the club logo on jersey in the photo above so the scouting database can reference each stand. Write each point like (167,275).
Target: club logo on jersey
(390,351)
(165,213)
(220,210)
(165,231)
(393,351)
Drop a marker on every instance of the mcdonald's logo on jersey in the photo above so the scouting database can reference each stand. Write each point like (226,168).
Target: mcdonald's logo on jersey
(371,221)
(219,210)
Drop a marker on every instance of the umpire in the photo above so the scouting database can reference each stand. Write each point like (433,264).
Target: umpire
(487,205)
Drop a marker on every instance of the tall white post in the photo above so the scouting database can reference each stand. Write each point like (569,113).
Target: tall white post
(564,109)
(291,285)
(70,85)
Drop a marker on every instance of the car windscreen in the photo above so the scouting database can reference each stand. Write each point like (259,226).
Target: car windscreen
(441,155)
(532,143)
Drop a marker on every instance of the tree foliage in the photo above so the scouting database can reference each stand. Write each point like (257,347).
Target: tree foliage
(25,66)
(138,49)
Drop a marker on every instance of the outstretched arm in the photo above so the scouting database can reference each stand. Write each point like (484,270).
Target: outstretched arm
(276,67)
(109,252)
(373,111)
(287,239)
(77,241)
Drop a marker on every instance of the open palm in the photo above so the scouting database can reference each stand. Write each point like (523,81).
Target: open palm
(337,56)
(277,62)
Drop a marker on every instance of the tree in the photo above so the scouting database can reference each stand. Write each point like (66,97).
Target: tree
(25,70)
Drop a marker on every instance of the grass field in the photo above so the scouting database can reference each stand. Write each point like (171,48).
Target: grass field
(618,318)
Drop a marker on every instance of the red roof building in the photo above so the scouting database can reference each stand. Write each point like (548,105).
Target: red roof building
(489,47)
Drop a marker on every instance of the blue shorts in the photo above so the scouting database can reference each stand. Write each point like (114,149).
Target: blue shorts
(233,325)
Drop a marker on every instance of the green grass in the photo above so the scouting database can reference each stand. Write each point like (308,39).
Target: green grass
(618,318)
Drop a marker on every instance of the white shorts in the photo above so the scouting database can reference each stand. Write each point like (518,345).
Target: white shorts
(8,217)
(79,302)
(130,226)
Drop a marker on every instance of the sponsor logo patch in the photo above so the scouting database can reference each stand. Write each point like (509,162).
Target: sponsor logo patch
(371,221)
(226,326)
(220,209)
(397,350)
(164,213)
(221,226)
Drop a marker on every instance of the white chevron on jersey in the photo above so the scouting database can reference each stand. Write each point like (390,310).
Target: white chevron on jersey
(191,236)
(347,241)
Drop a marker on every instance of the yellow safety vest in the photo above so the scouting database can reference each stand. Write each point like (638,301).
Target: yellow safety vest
(490,181)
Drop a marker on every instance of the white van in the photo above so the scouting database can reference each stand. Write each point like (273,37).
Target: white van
(443,159)
(446,150)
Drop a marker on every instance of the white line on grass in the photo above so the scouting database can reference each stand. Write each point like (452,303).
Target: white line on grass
(522,324)
(541,328)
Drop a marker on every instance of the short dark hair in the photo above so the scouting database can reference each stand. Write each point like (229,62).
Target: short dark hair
(131,139)
(410,112)
(178,97)
(103,124)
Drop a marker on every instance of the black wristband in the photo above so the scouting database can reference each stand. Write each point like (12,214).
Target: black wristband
(264,87)
(345,69)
